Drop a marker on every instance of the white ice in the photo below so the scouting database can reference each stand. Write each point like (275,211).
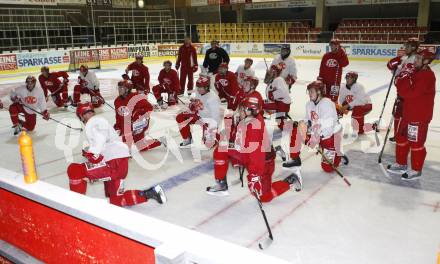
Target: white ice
(377,220)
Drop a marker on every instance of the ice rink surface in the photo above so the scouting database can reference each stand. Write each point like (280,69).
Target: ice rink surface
(379,219)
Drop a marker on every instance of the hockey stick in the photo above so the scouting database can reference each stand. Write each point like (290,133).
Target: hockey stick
(379,160)
(265,62)
(333,167)
(267,241)
(59,122)
(383,108)
(240,179)
(102,98)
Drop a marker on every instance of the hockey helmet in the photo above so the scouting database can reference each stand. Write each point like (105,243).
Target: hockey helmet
(84,108)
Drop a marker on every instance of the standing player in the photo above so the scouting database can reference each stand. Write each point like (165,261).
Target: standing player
(353,98)
(330,71)
(226,85)
(168,83)
(107,161)
(214,57)
(416,87)
(133,117)
(188,65)
(50,82)
(140,77)
(204,110)
(320,126)
(397,64)
(27,99)
(244,71)
(253,150)
(87,84)
(277,92)
(287,64)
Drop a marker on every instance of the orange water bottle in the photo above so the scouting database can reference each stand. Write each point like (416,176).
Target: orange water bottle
(27,158)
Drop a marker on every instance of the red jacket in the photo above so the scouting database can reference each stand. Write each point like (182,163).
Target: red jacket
(187,57)
(140,77)
(170,80)
(122,110)
(52,83)
(331,67)
(417,91)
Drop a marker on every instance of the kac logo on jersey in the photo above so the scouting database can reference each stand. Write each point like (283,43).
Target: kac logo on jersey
(349,98)
(242,75)
(223,82)
(30,100)
(213,56)
(314,116)
(48,83)
(167,81)
(331,63)
(282,65)
(135,73)
(123,110)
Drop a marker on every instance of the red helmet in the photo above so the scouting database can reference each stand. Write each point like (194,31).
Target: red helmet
(139,56)
(126,84)
(44,69)
(277,69)
(253,81)
(203,81)
(84,108)
(317,85)
(253,104)
(427,55)
(335,41)
(413,42)
(83,68)
(352,74)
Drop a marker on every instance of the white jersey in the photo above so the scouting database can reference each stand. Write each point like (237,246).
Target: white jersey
(90,79)
(34,99)
(355,96)
(103,139)
(210,114)
(323,117)
(280,90)
(288,65)
(243,73)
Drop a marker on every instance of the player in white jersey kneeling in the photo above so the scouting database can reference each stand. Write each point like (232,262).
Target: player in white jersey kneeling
(245,71)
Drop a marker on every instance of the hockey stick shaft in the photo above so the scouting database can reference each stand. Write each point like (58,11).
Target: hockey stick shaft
(241,171)
(379,160)
(334,167)
(264,216)
(102,98)
(386,97)
(59,122)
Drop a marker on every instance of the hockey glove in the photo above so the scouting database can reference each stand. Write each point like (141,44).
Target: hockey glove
(195,68)
(394,63)
(254,184)
(92,158)
(46,115)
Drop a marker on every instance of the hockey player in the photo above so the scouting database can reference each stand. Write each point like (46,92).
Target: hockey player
(278,97)
(253,150)
(227,86)
(133,117)
(287,64)
(214,57)
(330,71)
(50,82)
(352,97)
(397,64)
(168,83)
(188,65)
(27,99)
(244,71)
(320,126)
(140,77)
(88,83)
(204,110)
(416,87)
(107,161)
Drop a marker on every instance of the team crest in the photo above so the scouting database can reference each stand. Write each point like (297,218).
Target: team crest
(123,111)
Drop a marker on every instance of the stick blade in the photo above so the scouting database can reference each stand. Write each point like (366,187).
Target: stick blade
(265,243)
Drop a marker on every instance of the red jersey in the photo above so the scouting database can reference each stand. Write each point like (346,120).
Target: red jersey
(187,56)
(417,91)
(140,77)
(52,83)
(122,110)
(170,80)
(226,85)
(331,67)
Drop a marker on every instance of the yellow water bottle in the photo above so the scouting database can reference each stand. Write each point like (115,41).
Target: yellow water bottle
(27,158)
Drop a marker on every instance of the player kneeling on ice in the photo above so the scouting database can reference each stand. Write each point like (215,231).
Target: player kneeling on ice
(50,82)
(244,71)
(204,110)
(252,150)
(28,100)
(320,126)
(133,117)
(226,85)
(88,83)
(107,161)
(278,98)
(169,84)
(352,97)
(140,76)
(287,65)
(416,86)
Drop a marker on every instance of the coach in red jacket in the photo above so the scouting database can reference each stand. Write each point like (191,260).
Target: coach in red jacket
(187,62)
(140,77)
(416,86)
(330,71)
(50,82)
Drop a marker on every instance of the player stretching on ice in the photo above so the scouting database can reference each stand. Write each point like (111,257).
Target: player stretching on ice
(227,86)
(287,65)
(27,99)
(416,87)
(107,161)
(87,84)
(140,77)
(169,84)
(50,82)
(352,97)
(204,110)
(188,65)
(330,71)
(253,150)
(244,71)
(133,117)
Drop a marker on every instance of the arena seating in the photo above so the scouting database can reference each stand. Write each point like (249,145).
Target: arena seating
(379,30)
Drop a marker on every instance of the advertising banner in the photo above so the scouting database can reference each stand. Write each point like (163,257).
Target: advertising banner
(272,48)
(33,59)
(146,50)
(113,53)
(308,49)
(373,50)
(240,48)
(168,49)
(8,62)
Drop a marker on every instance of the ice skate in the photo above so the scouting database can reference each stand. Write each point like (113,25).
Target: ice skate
(295,181)
(186,143)
(219,189)
(411,175)
(296,162)
(397,168)
(155,193)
